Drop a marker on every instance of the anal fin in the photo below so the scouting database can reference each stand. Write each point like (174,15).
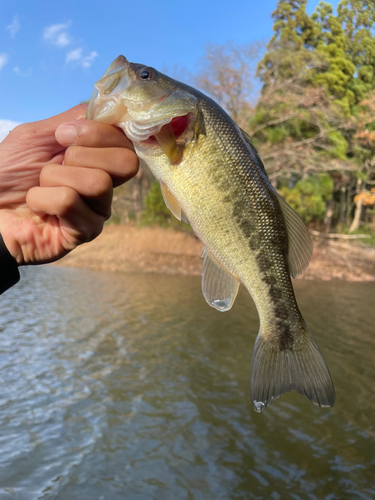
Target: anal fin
(218,286)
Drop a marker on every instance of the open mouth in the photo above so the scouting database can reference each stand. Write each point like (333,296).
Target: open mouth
(179,125)
(167,138)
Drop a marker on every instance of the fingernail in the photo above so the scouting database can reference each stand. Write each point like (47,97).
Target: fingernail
(66,134)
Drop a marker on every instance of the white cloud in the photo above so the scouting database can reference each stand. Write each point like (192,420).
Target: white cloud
(74,55)
(5,127)
(18,72)
(3,60)
(57,34)
(14,27)
(88,60)
(79,58)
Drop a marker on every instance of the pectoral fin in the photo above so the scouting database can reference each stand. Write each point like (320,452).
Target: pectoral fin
(218,286)
(300,245)
(172,203)
(167,142)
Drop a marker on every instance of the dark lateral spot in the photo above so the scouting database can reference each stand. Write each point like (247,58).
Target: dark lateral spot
(237,210)
(286,337)
(247,227)
(270,280)
(281,311)
(276,293)
(253,244)
(264,262)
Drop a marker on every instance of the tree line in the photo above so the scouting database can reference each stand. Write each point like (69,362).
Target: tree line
(307,98)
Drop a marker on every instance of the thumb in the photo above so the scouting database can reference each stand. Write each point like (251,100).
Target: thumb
(42,132)
(50,124)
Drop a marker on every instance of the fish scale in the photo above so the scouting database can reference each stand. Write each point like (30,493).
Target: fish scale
(212,176)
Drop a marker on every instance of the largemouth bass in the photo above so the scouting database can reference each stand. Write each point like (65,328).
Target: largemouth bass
(212,177)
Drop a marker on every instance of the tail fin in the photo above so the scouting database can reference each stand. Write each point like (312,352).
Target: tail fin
(300,367)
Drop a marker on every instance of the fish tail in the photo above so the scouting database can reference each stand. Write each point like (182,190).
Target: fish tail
(299,366)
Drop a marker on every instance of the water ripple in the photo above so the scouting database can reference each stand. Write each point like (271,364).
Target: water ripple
(120,386)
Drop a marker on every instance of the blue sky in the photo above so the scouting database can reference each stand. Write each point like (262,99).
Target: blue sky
(51,53)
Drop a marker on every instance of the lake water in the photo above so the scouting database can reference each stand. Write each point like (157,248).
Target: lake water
(131,387)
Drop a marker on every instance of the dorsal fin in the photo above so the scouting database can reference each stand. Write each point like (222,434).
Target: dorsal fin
(300,244)
(300,247)
(253,151)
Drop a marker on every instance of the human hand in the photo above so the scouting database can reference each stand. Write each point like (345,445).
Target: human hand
(56,191)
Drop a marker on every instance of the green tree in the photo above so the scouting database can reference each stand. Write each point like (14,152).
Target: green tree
(357,18)
(309,196)
(330,45)
(313,120)
(294,31)
(292,25)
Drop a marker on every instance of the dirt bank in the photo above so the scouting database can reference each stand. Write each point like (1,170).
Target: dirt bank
(157,250)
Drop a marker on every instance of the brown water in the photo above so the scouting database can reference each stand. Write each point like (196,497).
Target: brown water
(130,387)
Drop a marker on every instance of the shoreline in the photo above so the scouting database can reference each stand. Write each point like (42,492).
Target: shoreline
(130,249)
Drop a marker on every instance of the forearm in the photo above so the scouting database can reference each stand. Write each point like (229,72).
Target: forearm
(9,274)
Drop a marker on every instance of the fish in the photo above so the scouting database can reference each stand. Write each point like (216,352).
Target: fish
(212,177)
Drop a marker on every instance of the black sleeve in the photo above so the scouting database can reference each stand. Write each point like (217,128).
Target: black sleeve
(9,273)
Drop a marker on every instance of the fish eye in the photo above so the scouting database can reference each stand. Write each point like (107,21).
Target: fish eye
(146,74)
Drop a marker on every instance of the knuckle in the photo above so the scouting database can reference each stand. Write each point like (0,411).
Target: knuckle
(100,183)
(46,174)
(67,200)
(129,160)
(96,227)
(109,213)
(73,156)
(32,196)
(104,181)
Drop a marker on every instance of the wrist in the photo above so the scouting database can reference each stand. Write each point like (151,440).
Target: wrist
(9,273)
(9,241)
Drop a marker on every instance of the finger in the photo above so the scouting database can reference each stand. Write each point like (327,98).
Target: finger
(78,223)
(93,185)
(120,163)
(92,134)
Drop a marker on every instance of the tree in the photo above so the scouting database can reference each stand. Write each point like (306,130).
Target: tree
(295,31)
(228,75)
(363,149)
(309,118)
(292,25)
(331,45)
(309,196)
(296,125)
(357,18)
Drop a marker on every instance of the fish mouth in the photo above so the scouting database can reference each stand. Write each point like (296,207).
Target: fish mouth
(179,125)
(105,106)
(168,138)
(161,115)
